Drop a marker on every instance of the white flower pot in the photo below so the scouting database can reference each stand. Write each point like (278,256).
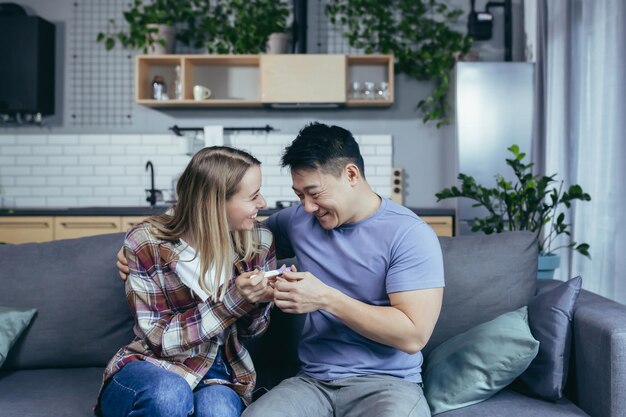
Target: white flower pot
(168,34)
(277,43)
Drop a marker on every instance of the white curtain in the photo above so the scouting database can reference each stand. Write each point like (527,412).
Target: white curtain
(585,130)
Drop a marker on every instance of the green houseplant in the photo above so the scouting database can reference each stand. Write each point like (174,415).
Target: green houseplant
(531,203)
(241,26)
(220,26)
(417,32)
(144,20)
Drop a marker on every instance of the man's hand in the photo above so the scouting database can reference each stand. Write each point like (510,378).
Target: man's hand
(300,292)
(253,286)
(122,265)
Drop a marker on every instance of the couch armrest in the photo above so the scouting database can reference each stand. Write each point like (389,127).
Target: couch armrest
(599,351)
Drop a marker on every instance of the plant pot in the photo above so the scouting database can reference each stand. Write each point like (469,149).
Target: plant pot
(547,265)
(168,34)
(277,43)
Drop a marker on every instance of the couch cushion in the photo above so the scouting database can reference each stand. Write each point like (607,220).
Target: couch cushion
(13,321)
(50,392)
(509,403)
(550,314)
(486,276)
(82,318)
(474,365)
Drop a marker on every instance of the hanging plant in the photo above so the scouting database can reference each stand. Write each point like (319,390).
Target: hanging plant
(419,35)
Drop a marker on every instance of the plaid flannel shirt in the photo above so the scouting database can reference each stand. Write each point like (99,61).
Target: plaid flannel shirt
(174,328)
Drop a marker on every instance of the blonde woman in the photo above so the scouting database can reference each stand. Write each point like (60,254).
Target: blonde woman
(194,288)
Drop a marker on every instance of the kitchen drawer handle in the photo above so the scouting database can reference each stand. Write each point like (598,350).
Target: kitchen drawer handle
(108,225)
(25,225)
(438,223)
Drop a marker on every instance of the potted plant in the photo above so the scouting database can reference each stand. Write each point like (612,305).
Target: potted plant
(420,35)
(242,27)
(531,203)
(151,26)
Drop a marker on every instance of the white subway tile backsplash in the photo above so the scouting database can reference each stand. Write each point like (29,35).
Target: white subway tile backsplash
(62,160)
(95,180)
(94,160)
(110,170)
(33,139)
(30,160)
(48,150)
(62,180)
(61,202)
(100,170)
(63,140)
(78,150)
(6,140)
(109,150)
(16,150)
(94,139)
(46,170)
(78,191)
(46,191)
(7,160)
(93,201)
(16,191)
(78,171)
(30,181)
(14,171)
(141,149)
(30,202)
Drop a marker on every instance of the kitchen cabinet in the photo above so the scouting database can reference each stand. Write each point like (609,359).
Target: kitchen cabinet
(25,229)
(267,80)
(69,227)
(303,79)
(442,225)
(130,221)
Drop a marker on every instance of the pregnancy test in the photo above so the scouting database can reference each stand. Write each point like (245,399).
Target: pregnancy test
(275,272)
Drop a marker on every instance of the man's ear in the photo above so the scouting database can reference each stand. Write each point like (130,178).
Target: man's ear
(353,174)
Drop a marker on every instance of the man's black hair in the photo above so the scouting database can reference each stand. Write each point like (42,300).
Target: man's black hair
(323,147)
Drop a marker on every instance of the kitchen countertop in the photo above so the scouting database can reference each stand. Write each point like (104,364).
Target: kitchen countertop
(148,211)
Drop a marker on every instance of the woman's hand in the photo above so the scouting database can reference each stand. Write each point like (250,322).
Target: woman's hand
(253,286)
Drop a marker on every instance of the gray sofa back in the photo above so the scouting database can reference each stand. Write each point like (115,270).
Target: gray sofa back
(486,276)
(82,318)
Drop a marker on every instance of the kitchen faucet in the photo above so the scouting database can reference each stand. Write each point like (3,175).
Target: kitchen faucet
(153,193)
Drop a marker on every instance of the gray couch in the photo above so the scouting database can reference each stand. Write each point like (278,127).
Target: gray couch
(55,368)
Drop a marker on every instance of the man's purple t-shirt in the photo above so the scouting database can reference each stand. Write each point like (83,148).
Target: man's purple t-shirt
(391,251)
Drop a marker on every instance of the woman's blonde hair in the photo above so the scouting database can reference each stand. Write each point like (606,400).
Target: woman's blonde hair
(211,178)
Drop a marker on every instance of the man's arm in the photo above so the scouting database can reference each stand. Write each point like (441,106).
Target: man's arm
(122,265)
(406,324)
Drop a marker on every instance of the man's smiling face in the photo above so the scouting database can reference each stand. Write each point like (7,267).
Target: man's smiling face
(323,195)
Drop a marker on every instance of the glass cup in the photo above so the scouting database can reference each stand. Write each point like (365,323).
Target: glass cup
(368,90)
(382,91)
(355,90)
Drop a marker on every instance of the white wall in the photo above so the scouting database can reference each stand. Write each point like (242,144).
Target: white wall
(109,170)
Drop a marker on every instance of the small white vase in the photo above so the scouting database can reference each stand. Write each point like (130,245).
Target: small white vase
(165,32)
(277,43)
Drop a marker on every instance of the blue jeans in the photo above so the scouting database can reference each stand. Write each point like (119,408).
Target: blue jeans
(143,389)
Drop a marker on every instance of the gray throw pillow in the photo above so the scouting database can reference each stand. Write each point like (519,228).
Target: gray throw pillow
(474,365)
(549,317)
(12,324)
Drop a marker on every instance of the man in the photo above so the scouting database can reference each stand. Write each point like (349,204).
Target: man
(372,288)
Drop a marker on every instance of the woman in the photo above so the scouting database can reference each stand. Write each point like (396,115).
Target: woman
(195,288)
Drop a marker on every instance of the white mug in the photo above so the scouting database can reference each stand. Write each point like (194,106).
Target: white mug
(200,92)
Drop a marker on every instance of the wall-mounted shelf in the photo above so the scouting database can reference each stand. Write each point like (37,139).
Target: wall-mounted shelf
(258,80)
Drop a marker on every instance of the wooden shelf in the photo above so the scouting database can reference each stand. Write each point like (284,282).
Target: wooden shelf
(257,80)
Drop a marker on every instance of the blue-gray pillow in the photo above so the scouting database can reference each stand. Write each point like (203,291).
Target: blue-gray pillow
(12,324)
(474,365)
(549,317)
